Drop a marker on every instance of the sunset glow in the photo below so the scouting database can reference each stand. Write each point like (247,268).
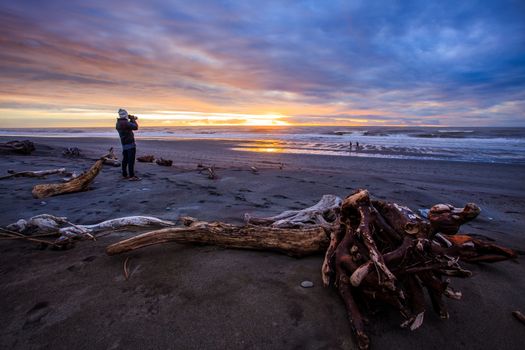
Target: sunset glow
(75,63)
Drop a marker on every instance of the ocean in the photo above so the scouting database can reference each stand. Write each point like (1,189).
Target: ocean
(489,145)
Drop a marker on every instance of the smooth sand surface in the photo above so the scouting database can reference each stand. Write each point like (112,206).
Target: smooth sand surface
(204,297)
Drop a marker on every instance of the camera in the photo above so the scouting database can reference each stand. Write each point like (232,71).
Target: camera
(132,117)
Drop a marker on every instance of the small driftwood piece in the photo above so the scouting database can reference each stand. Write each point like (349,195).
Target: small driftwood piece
(78,184)
(210,171)
(519,316)
(294,242)
(36,173)
(254,170)
(164,162)
(474,250)
(212,174)
(21,147)
(111,159)
(146,159)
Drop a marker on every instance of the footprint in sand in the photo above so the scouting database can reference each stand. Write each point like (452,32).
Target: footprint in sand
(280,196)
(37,312)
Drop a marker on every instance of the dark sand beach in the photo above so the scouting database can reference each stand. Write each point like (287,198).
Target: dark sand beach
(205,297)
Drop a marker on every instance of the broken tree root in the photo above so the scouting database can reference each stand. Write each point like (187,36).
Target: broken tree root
(375,251)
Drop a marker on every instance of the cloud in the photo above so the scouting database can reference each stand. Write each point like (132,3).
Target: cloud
(402,61)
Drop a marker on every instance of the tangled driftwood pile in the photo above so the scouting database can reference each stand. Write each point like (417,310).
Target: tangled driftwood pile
(375,251)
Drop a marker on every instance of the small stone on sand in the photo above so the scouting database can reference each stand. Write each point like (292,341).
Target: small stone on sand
(307,284)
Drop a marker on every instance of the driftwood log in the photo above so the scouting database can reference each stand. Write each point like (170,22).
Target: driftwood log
(375,251)
(294,242)
(20,147)
(37,173)
(80,183)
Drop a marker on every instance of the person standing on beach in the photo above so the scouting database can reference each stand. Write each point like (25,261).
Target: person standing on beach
(126,123)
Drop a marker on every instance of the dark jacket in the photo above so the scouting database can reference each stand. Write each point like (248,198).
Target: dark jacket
(125,130)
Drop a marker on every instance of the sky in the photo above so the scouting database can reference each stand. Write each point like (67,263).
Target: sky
(239,62)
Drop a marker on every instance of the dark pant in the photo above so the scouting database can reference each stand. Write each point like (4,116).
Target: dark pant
(128,162)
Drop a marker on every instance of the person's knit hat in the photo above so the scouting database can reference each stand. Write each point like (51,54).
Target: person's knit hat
(122,113)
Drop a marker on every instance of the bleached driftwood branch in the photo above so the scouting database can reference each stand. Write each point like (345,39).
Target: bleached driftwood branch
(36,173)
(46,223)
(323,214)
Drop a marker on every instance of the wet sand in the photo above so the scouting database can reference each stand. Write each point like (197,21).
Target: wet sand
(195,297)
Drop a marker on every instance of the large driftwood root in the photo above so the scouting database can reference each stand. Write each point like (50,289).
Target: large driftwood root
(383,252)
(78,184)
(20,147)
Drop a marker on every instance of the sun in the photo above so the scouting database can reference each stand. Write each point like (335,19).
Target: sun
(265,120)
